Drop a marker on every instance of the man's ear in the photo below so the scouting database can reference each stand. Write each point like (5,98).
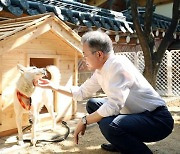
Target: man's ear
(21,68)
(99,53)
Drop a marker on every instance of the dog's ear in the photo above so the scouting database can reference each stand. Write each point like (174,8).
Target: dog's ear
(21,68)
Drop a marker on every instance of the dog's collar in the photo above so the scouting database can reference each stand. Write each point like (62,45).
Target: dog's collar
(26,106)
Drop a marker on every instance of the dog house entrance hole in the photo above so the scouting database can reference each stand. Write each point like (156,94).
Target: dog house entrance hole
(42,63)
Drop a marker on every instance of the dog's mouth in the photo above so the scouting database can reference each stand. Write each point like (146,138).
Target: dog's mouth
(42,75)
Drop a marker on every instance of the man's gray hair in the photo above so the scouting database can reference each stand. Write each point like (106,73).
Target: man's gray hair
(98,41)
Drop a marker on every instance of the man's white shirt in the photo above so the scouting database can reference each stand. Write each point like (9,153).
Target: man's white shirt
(127,90)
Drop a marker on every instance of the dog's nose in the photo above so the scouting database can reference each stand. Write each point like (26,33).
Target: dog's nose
(45,71)
(30,121)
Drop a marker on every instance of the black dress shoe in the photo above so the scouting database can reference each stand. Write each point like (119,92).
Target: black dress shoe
(109,147)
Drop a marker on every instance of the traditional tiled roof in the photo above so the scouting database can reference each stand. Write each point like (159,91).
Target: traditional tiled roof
(83,15)
(72,12)
(158,21)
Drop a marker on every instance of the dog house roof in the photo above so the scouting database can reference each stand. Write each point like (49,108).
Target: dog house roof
(16,29)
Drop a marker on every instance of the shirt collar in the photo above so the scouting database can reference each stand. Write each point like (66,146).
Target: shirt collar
(106,63)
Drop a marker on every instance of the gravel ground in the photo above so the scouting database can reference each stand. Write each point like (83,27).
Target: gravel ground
(91,141)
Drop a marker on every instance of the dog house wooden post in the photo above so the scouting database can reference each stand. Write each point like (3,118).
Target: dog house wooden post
(66,107)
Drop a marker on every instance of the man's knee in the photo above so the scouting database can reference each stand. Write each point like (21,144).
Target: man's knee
(105,128)
(109,129)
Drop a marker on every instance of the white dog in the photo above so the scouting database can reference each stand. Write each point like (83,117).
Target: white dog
(29,98)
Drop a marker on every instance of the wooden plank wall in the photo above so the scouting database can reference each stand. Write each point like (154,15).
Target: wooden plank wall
(64,106)
(9,79)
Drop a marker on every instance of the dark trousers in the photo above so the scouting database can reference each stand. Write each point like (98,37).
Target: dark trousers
(127,132)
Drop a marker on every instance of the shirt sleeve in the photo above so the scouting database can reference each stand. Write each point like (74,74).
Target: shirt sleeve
(87,89)
(119,83)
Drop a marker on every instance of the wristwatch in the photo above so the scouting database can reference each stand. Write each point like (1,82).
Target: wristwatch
(84,120)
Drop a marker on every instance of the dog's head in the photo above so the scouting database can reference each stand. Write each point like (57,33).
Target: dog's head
(28,75)
(32,72)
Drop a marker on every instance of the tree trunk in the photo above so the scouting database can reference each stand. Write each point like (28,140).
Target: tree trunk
(167,40)
(148,70)
(153,58)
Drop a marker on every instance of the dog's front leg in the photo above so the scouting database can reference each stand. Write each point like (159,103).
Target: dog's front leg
(34,128)
(53,117)
(19,127)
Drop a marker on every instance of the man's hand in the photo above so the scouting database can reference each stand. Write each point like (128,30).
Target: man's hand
(80,128)
(44,83)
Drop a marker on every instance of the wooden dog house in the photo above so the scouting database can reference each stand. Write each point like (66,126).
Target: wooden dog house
(39,40)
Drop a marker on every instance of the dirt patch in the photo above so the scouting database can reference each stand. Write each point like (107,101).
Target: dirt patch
(91,141)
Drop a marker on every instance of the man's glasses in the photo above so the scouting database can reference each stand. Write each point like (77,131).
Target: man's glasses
(85,56)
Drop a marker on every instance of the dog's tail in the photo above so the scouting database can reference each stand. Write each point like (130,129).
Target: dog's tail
(55,74)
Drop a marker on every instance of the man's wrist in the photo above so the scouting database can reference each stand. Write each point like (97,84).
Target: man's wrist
(84,120)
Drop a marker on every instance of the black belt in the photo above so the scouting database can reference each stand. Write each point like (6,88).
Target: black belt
(159,108)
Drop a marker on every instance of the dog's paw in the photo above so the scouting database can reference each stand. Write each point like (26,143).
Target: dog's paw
(21,142)
(33,142)
(54,127)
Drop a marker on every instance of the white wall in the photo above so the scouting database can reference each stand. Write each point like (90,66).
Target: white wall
(165,10)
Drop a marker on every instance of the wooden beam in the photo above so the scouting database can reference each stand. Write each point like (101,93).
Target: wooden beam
(76,69)
(8,132)
(25,18)
(7,15)
(13,25)
(74,104)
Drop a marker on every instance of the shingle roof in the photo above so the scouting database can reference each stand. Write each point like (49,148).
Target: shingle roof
(10,27)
